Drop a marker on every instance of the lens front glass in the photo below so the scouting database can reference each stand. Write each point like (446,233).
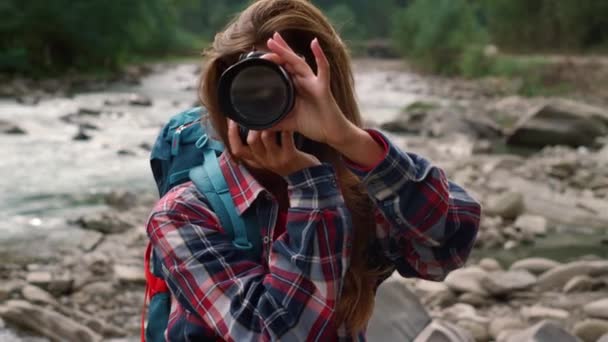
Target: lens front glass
(259,94)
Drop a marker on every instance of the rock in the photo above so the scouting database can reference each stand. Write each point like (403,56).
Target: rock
(125,152)
(508,205)
(121,199)
(467,280)
(532,224)
(97,292)
(10,288)
(128,274)
(590,330)
(399,314)
(505,282)
(40,278)
(435,293)
(36,295)
(580,283)
(10,128)
(145,146)
(89,111)
(89,240)
(439,330)
(46,322)
(560,122)
(557,277)
(500,324)
(541,312)
(490,265)
(509,245)
(597,309)
(534,265)
(107,223)
(464,312)
(81,135)
(56,283)
(545,331)
(474,299)
(604,338)
(140,100)
(478,330)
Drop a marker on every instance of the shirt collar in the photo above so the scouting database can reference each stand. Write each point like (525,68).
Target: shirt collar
(243,187)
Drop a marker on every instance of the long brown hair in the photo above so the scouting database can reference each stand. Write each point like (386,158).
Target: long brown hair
(299,22)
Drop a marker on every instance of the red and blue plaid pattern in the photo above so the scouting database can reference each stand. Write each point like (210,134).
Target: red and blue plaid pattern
(426,227)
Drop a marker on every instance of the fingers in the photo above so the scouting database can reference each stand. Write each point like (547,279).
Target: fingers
(288,143)
(321,60)
(299,66)
(273,57)
(255,143)
(237,148)
(269,139)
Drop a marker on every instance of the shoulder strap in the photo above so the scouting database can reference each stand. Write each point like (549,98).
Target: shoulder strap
(209,179)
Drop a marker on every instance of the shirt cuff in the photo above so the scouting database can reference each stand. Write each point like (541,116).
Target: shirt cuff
(314,188)
(380,139)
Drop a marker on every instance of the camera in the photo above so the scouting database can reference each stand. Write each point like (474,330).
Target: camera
(255,93)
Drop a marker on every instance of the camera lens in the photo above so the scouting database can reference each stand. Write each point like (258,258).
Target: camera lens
(258,94)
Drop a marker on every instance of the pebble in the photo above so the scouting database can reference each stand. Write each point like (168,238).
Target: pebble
(490,265)
(590,330)
(597,309)
(508,205)
(37,295)
(129,274)
(534,265)
(500,324)
(558,276)
(532,224)
(467,280)
(580,283)
(504,282)
(541,312)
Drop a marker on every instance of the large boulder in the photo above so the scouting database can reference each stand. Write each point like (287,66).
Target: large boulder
(560,122)
(398,315)
(45,322)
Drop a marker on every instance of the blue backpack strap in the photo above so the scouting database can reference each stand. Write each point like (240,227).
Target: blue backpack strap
(209,179)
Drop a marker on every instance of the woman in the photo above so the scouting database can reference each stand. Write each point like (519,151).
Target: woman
(338,216)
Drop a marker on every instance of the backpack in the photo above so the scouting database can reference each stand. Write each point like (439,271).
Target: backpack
(186,150)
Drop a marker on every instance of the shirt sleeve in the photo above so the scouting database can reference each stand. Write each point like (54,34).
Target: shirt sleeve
(426,224)
(293,298)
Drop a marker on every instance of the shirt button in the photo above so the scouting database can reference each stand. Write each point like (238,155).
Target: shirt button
(266,240)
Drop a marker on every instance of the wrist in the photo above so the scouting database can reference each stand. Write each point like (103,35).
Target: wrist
(351,133)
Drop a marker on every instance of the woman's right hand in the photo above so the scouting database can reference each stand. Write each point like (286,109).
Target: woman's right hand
(263,152)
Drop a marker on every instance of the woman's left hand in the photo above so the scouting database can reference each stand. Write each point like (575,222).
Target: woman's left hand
(316,115)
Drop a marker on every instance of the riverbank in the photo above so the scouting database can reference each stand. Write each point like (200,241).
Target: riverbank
(73,226)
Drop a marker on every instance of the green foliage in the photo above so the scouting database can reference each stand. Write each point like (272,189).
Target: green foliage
(58,35)
(443,36)
(437,33)
(547,24)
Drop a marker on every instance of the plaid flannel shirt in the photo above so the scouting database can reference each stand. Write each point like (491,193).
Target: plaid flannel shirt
(425,227)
